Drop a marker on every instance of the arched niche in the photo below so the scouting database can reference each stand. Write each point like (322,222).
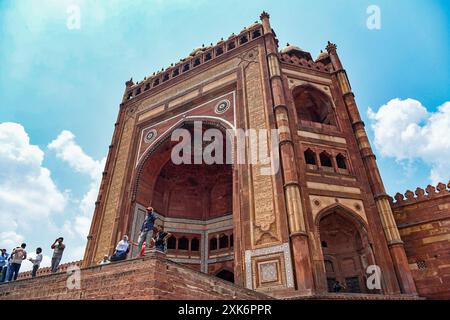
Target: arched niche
(313,106)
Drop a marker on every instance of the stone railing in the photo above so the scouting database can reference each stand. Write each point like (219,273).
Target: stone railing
(420,194)
(302,62)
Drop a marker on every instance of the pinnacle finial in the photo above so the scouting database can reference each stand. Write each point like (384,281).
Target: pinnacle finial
(129,83)
(331,47)
(264,15)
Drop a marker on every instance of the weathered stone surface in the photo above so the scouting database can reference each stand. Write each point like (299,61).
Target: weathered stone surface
(150,278)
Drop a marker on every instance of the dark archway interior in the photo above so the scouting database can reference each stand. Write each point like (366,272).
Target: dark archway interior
(226,275)
(313,106)
(194,191)
(344,252)
(189,196)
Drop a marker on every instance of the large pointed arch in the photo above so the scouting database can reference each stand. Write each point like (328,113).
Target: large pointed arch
(210,121)
(345,247)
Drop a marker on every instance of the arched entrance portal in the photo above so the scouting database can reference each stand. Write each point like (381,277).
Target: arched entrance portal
(346,251)
(193,201)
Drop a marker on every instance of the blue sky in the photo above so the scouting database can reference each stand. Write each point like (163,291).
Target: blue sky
(61,88)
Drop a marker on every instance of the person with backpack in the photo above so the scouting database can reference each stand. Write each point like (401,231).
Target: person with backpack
(17,256)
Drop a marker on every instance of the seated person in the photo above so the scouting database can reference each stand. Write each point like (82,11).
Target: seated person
(161,239)
(122,248)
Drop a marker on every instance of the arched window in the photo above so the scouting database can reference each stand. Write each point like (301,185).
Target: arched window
(313,105)
(310,157)
(172,243)
(325,160)
(213,244)
(223,241)
(183,244)
(195,244)
(341,162)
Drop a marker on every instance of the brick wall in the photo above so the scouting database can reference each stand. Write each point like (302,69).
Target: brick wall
(152,277)
(47,270)
(423,220)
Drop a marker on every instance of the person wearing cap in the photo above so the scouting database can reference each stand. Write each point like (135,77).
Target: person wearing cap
(147,229)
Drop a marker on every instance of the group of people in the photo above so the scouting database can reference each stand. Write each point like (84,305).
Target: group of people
(10,263)
(151,235)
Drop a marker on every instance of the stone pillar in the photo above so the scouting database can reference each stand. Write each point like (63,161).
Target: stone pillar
(394,241)
(296,219)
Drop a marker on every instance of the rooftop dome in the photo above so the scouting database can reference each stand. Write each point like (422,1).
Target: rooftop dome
(197,51)
(290,48)
(322,55)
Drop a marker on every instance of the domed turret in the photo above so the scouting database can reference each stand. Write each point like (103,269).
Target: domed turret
(296,51)
(289,48)
(322,55)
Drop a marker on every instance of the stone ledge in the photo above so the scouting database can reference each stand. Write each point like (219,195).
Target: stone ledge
(151,278)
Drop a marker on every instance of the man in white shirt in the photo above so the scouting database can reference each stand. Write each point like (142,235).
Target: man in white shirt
(122,249)
(36,262)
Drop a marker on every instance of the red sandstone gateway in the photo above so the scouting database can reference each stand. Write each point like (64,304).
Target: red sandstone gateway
(324,217)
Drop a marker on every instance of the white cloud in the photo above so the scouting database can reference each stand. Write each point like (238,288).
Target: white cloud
(10,239)
(31,205)
(70,152)
(24,184)
(405,130)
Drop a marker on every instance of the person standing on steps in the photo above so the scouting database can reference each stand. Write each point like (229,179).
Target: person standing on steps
(58,248)
(147,229)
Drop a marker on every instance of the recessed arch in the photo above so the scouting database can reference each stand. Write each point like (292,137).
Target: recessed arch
(347,252)
(208,121)
(187,196)
(313,105)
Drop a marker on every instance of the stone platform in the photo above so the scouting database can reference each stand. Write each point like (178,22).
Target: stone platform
(152,277)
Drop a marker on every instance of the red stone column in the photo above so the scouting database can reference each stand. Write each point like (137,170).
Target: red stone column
(394,241)
(296,219)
